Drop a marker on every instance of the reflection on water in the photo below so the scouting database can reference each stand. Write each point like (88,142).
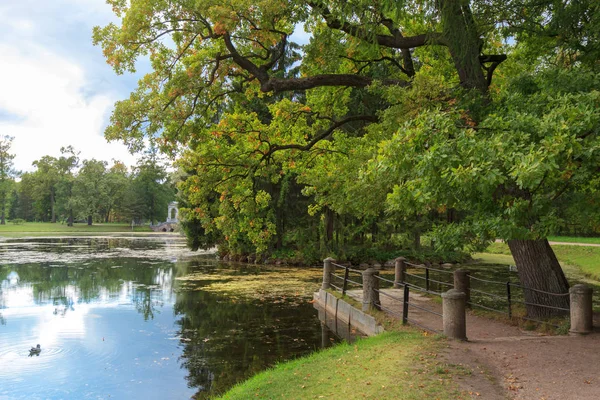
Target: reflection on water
(333,328)
(113,321)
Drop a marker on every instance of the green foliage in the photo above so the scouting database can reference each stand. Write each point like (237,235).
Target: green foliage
(384,127)
(89,189)
(510,170)
(66,190)
(7,174)
(149,190)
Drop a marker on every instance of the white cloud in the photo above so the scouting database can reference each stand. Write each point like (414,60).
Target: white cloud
(55,89)
(46,94)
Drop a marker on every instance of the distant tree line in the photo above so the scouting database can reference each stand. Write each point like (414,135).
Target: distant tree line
(66,189)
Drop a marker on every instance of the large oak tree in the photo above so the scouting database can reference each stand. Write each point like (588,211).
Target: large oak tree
(407,87)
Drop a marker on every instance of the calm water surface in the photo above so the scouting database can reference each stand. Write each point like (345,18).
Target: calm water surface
(115,320)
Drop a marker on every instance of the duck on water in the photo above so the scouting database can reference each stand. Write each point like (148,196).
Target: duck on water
(35,351)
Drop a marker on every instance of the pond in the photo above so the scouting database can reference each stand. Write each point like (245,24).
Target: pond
(143,318)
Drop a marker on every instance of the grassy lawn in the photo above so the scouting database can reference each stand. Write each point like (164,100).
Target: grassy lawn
(585,258)
(44,228)
(393,365)
(572,239)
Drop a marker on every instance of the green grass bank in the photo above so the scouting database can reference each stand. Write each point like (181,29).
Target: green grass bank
(393,365)
(47,228)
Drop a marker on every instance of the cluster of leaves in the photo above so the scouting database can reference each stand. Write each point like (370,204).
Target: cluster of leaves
(538,141)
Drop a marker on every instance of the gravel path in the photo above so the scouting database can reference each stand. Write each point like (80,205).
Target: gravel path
(576,244)
(565,243)
(506,362)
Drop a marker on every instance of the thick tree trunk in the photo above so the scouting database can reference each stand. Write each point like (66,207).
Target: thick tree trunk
(279,222)
(374,232)
(417,239)
(89,220)
(539,269)
(451,215)
(328,226)
(463,41)
(70,220)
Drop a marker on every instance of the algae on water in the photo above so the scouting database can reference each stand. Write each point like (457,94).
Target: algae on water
(269,282)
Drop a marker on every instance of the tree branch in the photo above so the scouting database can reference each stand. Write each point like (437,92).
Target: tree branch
(321,136)
(269,84)
(396,41)
(495,59)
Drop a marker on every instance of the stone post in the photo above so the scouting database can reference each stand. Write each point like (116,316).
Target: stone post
(581,309)
(462,283)
(327,271)
(400,269)
(370,289)
(454,314)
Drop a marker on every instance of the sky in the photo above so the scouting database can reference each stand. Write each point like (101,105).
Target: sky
(55,86)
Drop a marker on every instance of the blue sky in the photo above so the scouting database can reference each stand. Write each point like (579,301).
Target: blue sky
(55,87)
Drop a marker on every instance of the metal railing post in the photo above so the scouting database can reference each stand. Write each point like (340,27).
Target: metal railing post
(508,299)
(345,287)
(405,305)
(427,278)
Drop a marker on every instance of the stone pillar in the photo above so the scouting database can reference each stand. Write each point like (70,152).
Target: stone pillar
(400,269)
(581,309)
(454,314)
(370,289)
(327,270)
(462,283)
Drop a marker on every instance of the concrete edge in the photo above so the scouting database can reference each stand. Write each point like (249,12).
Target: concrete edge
(345,312)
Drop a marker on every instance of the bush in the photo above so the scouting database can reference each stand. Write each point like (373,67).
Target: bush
(17,221)
(358,254)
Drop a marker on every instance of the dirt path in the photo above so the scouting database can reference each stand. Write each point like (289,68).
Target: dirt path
(565,243)
(508,363)
(576,244)
(545,367)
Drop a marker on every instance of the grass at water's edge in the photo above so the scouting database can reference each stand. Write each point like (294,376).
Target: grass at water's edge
(393,365)
(47,228)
